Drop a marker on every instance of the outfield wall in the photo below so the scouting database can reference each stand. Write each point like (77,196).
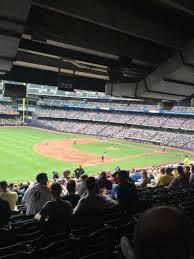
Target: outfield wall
(37,124)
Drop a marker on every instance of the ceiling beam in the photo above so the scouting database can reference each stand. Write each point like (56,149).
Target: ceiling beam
(55,64)
(122,19)
(79,33)
(49,49)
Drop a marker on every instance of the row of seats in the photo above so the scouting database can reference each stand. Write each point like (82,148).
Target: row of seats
(91,236)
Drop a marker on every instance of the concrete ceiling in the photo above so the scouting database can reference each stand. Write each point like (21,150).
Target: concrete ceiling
(140,49)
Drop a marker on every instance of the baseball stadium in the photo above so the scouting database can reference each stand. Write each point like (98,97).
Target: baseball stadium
(96,129)
(63,134)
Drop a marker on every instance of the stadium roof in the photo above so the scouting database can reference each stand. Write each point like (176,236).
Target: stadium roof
(142,48)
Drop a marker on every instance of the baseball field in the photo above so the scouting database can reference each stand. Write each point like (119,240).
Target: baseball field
(24,152)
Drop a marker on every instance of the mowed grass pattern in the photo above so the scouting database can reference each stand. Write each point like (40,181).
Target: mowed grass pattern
(19,161)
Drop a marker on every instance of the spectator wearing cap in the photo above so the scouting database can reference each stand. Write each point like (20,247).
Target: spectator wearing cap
(181,180)
(165,179)
(79,171)
(37,195)
(8,195)
(55,175)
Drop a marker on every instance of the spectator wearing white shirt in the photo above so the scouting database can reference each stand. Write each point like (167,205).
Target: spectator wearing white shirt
(37,195)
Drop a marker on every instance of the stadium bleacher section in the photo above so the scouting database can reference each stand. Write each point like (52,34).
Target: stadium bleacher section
(94,235)
(127,106)
(163,128)
(145,119)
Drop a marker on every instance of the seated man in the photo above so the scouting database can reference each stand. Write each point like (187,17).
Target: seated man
(103,182)
(181,180)
(191,178)
(162,233)
(165,179)
(7,195)
(126,192)
(71,196)
(79,171)
(37,195)
(81,185)
(56,213)
(92,201)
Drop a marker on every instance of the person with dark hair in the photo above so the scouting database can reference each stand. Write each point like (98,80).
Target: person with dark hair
(56,214)
(162,233)
(79,171)
(71,196)
(181,180)
(81,185)
(5,213)
(165,179)
(187,170)
(7,195)
(126,192)
(162,171)
(144,179)
(37,195)
(191,179)
(92,201)
(66,175)
(103,182)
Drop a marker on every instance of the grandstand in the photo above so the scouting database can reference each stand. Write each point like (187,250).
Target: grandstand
(85,116)
(96,129)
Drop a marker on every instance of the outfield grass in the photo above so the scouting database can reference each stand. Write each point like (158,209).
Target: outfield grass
(20,162)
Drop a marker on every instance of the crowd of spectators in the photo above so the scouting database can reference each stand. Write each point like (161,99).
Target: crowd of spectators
(108,207)
(75,185)
(89,104)
(155,121)
(174,139)
(6,108)
(152,120)
(10,122)
(55,200)
(128,106)
(174,122)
